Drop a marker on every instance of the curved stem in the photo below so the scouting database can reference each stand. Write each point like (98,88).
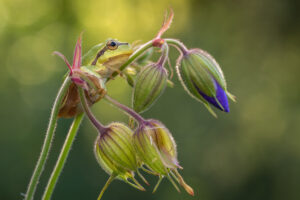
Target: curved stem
(135,54)
(164,55)
(108,182)
(62,157)
(100,127)
(47,141)
(182,48)
(128,110)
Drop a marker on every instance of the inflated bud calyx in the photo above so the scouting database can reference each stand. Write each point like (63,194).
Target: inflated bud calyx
(114,149)
(156,148)
(150,83)
(203,79)
(115,153)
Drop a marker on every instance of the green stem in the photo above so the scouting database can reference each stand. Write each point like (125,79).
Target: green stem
(158,183)
(164,55)
(62,157)
(126,109)
(100,127)
(108,182)
(179,45)
(47,141)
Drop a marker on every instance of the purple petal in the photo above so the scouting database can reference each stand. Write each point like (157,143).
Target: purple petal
(221,97)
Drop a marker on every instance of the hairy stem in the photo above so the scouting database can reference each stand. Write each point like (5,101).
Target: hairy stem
(164,55)
(179,45)
(126,109)
(100,127)
(62,157)
(47,141)
(108,182)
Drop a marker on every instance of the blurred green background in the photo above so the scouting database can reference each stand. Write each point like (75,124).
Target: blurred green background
(251,153)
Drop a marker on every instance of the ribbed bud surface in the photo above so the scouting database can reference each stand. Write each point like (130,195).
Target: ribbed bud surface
(156,147)
(149,85)
(115,152)
(203,79)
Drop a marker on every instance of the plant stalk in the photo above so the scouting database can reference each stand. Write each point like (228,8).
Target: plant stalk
(126,109)
(62,156)
(108,182)
(179,45)
(100,127)
(164,56)
(47,141)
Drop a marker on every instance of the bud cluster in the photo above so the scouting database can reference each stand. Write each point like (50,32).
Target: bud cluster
(148,145)
(151,147)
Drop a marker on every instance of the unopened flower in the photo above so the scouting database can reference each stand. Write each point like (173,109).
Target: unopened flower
(115,153)
(150,83)
(156,148)
(203,79)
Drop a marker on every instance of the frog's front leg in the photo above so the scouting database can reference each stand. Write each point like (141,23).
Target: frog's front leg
(107,72)
(112,70)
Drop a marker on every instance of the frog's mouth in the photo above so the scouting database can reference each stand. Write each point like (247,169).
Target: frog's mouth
(123,47)
(123,43)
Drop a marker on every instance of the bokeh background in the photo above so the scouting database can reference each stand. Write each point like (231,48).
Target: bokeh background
(251,153)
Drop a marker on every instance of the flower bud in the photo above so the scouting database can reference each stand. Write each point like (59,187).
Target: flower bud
(156,148)
(115,153)
(149,85)
(203,79)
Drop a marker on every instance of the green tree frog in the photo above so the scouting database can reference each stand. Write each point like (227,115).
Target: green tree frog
(98,64)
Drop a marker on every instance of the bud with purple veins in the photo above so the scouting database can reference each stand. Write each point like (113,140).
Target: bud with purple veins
(114,149)
(120,151)
(155,148)
(116,154)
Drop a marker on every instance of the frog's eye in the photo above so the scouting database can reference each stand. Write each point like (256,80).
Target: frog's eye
(112,45)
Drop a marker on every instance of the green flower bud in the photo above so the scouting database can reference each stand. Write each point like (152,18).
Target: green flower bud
(156,148)
(115,153)
(149,85)
(203,79)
